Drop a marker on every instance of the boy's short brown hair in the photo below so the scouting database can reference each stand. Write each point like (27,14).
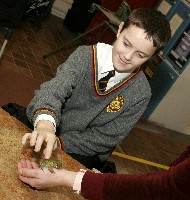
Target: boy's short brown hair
(154,23)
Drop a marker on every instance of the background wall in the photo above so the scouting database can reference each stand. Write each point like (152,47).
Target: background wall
(173,112)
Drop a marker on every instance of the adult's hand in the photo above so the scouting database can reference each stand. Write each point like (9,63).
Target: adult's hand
(30,173)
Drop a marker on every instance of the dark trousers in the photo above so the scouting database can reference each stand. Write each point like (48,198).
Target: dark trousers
(94,162)
(88,161)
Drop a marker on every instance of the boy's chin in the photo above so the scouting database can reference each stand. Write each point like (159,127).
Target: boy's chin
(124,70)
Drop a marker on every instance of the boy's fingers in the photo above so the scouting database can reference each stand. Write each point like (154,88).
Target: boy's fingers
(25,138)
(55,145)
(47,154)
(49,147)
(33,138)
(39,142)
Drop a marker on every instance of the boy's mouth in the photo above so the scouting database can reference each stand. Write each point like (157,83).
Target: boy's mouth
(123,61)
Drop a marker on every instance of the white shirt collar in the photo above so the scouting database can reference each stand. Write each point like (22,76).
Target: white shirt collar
(104,56)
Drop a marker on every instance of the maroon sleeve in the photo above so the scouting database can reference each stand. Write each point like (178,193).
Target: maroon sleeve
(173,184)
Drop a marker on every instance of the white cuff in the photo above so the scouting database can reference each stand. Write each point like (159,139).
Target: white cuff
(78,181)
(45,117)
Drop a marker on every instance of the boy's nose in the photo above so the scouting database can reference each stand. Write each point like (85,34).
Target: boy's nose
(128,56)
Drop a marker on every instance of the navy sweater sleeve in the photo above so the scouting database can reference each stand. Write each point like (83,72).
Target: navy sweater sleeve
(173,184)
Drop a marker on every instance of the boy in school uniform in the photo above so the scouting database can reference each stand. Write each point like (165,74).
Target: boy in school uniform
(99,93)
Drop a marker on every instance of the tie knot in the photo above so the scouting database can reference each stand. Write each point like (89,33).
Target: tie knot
(109,75)
(112,72)
(103,81)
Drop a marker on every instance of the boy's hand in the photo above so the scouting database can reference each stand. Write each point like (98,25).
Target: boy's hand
(44,132)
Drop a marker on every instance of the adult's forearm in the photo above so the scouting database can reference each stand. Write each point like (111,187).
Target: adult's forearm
(172,184)
(116,187)
(92,186)
(66,178)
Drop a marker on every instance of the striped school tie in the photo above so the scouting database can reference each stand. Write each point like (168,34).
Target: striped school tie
(103,81)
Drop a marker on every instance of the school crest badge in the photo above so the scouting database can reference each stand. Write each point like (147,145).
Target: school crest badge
(116,104)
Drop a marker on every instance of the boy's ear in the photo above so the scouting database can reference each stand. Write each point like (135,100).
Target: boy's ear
(120,29)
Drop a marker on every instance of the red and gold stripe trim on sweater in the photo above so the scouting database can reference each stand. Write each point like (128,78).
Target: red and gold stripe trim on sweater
(44,111)
(60,143)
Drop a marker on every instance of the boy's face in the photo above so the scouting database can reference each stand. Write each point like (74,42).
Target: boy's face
(131,49)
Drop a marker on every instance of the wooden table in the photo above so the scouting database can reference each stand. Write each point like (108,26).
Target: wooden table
(11,132)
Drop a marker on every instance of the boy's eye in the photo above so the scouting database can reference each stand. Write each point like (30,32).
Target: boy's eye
(140,55)
(126,44)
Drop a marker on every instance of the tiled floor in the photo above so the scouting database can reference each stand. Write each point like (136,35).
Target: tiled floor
(152,143)
(22,65)
(23,69)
